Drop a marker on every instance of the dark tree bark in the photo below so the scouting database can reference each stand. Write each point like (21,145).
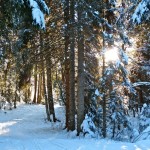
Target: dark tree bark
(66,19)
(39,97)
(80,84)
(49,88)
(72,71)
(104,98)
(15,100)
(35,85)
(107,15)
(45,93)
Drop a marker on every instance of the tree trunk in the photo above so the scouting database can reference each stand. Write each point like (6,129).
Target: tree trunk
(16,95)
(103,87)
(66,19)
(28,88)
(80,84)
(72,71)
(39,89)
(49,88)
(45,94)
(35,85)
(15,106)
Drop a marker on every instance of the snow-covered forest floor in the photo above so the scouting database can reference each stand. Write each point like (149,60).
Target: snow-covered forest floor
(25,128)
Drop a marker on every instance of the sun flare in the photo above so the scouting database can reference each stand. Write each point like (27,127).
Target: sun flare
(111,55)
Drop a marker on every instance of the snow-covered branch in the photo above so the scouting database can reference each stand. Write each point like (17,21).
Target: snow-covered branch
(38,7)
(141,84)
(142,12)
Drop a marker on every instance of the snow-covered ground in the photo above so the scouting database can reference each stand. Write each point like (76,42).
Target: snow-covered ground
(25,128)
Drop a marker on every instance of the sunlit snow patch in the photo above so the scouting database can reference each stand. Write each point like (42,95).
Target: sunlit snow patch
(3,127)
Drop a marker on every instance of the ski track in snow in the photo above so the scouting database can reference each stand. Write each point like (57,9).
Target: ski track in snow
(26,128)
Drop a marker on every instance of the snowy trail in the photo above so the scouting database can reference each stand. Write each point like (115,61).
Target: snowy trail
(26,129)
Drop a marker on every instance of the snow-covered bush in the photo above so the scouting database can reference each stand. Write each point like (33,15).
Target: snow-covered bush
(88,127)
(119,126)
(4,104)
(145,135)
(144,118)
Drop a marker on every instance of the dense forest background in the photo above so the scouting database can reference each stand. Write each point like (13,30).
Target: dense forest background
(92,56)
